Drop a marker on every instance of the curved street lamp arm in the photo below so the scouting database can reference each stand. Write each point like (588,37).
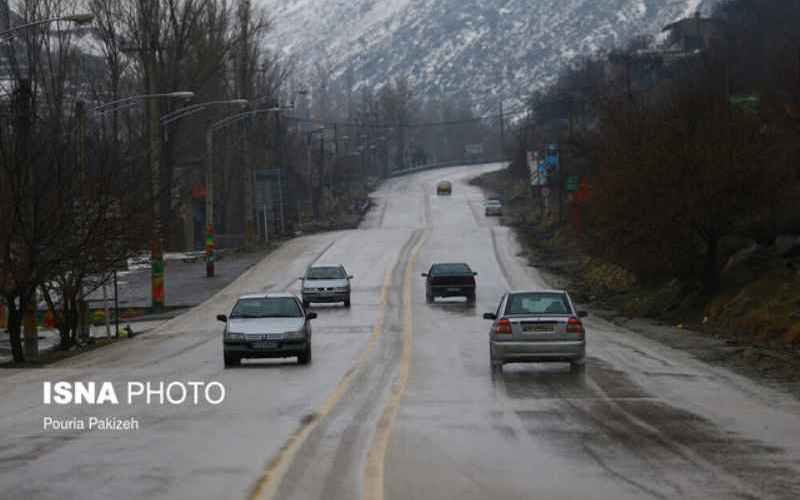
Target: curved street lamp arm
(196,108)
(121,103)
(76,18)
(234,118)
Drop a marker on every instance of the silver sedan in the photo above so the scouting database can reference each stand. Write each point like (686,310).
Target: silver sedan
(535,326)
(273,325)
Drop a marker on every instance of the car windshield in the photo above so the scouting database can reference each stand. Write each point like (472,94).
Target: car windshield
(450,269)
(325,273)
(268,307)
(538,303)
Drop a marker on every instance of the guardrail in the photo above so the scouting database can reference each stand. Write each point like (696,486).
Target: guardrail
(457,163)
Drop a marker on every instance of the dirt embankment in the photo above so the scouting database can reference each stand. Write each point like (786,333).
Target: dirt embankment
(752,324)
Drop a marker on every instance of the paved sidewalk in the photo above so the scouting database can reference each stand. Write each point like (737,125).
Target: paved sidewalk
(186,286)
(186,282)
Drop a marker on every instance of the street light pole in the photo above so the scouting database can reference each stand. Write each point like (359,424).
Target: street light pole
(78,19)
(210,243)
(154,143)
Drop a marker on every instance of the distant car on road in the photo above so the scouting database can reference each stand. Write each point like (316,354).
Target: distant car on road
(450,279)
(326,284)
(536,326)
(444,188)
(274,325)
(493,207)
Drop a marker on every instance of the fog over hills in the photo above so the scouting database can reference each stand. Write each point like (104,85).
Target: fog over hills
(484,49)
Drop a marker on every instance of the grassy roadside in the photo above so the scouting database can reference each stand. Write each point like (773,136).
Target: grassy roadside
(756,315)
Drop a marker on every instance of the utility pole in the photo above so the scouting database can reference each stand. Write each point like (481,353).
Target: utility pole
(502,132)
(150,21)
(244,91)
(23,125)
(210,203)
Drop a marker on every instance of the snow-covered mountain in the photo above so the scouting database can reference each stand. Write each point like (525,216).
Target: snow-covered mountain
(486,49)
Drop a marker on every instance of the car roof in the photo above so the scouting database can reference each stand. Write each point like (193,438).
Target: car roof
(317,266)
(278,295)
(517,292)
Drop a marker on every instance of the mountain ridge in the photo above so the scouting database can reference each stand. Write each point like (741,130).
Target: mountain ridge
(483,50)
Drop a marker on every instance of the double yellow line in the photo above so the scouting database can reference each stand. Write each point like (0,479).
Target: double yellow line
(267,486)
(376,456)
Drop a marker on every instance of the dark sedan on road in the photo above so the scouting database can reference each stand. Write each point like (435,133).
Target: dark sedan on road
(450,279)
(267,326)
(536,326)
(326,284)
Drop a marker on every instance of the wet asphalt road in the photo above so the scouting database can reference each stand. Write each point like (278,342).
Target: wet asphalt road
(399,401)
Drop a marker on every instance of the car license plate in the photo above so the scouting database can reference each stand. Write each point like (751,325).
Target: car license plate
(538,328)
(265,345)
(453,289)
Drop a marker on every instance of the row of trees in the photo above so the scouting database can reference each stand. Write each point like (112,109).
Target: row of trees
(417,129)
(688,152)
(82,191)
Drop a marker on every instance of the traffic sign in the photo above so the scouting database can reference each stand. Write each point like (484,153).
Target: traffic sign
(573,183)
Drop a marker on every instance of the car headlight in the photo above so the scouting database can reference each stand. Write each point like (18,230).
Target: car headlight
(298,334)
(343,289)
(234,336)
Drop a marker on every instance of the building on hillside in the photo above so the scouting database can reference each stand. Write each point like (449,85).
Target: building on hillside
(694,33)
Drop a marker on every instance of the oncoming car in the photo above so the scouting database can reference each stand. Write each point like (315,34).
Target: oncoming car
(326,284)
(536,326)
(444,188)
(267,326)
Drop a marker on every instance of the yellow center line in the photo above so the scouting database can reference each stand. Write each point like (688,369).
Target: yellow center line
(376,456)
(270,480)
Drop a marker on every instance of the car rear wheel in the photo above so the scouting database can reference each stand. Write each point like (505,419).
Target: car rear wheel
(305,358)
(495,364)
(306,304)
(231,360)
(578,365)
(471,298)
(347,302)
(429,298)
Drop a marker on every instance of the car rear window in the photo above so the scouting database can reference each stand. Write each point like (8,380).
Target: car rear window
(449,269)
(538,303)
(325,273)
(269,307)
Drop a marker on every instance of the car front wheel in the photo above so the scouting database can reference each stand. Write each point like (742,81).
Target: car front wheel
(305,357)
(347,302)
(231,360)
(578,365)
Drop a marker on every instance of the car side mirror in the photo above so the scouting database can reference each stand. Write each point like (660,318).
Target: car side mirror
(424,275)
(491,316)
(350,277)
(583,314)
(474,274)
(311,315)
(222,317)
(301,278)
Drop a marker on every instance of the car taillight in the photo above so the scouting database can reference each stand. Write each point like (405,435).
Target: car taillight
(503,327)
(575,326)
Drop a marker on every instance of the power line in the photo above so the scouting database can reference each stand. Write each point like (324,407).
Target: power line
(520,110)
